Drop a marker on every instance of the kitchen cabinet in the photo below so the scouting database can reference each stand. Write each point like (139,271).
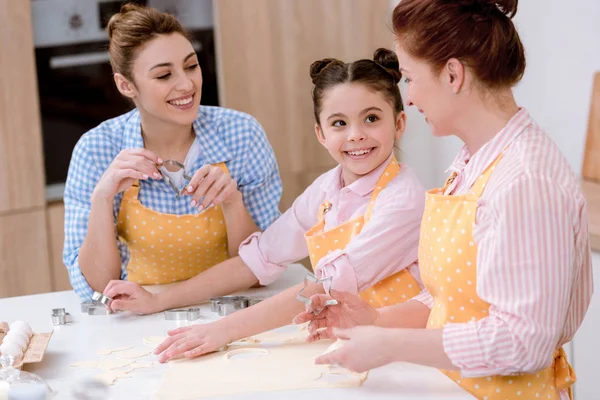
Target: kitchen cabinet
(24,254)
(265,48)
(55,215)
(21,162)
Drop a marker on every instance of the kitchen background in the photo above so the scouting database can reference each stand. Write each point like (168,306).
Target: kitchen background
(56,83)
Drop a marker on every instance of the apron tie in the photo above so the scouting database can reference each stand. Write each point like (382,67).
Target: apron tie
(563,372)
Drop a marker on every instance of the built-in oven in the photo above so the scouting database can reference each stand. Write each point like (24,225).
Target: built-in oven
(76,87)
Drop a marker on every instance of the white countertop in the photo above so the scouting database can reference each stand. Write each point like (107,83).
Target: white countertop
(81,340)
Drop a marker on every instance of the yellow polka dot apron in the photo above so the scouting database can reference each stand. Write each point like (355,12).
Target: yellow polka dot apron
(394,289)
(168,248)
(447,262)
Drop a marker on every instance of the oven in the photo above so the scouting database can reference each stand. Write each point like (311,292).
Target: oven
(76,87)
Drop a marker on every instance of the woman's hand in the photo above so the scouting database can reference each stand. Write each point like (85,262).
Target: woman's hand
(130,296)
(350,311)
(365,348)
(211,186)
(191,341)
(127,167)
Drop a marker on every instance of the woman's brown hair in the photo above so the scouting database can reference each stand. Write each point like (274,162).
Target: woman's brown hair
(381,74)
(132,28)
(479,33)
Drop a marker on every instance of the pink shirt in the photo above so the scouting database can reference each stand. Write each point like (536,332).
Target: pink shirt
(387,244)
(534,261)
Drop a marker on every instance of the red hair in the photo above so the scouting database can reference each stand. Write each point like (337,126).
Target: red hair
(479,33)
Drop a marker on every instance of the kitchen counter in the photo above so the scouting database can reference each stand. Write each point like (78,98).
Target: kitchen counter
(81,340)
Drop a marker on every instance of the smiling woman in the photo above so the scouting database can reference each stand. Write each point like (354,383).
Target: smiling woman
(118,182)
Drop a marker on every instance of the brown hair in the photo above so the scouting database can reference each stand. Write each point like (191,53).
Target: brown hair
(380,74)
(132,28)
(479,33)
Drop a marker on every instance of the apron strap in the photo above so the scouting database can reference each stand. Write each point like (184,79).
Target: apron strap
(390,172)
(479,185)
(386,177)
(133,191)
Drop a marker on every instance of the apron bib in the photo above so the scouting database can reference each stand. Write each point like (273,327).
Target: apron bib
(447,262)
(168,248)
(394,289)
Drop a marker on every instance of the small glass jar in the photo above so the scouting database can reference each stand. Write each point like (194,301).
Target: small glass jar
(21,385)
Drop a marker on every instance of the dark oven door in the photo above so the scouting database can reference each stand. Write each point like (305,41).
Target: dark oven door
(77,92)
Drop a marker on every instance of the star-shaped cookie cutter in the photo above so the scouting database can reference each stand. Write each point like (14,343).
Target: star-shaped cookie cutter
(307,300)
(173,166)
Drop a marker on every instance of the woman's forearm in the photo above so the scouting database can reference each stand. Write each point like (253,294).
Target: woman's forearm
(239,225)
(271,313)
(225,278)
(419,346)
(99,257)
(411,314)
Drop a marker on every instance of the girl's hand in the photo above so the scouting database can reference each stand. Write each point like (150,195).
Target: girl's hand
(127,167)
(366,347)
(350,311)
(211,186)
(130,296)
(191,341)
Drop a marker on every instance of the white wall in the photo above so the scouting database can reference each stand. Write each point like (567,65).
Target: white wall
(562,44)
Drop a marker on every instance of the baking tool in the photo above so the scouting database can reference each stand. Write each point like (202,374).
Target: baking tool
(226,305)
(174,166)
(311,278)
(60,317)
(183,314)
(99,297)
(95,308)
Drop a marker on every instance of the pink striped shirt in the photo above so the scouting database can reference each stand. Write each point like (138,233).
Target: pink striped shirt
(387,244)
(534,259)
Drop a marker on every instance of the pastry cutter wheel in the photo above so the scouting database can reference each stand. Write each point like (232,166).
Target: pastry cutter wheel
(174,166)
(183,314)
(307,300)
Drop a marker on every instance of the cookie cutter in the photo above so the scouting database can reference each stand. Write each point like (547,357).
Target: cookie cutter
(95,308)
(100,298)
(183,314)
(307,300)
(60,317)
(174,166)
(226,305)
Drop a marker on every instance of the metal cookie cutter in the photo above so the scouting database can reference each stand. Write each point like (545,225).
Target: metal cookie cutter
(174,166)
(307,300)
(95,308)
(100,298)
(226,305)
(183,314)
(60,317)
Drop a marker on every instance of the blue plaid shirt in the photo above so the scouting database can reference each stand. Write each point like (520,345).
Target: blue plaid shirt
(225,136)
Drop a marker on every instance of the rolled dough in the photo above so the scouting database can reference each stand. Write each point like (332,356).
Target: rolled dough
(289,365)
(116,350)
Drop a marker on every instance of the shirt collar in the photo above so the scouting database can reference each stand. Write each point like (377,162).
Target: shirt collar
(475,164)
(213,148)
(362,186)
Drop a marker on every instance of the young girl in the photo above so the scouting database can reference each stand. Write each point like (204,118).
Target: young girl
(504,251)
(358,222)
(115,182)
